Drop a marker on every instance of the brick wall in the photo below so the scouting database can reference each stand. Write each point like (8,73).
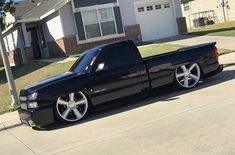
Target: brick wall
(56,48)
(70,44)
(133,33)
(62,47)
(29,53)
(15,57)
(182,26)
(11,57)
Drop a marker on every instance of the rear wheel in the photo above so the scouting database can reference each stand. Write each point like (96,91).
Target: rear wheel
(72,107)
(188,76)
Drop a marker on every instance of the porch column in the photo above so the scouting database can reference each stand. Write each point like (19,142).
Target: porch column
(27,44)
(25,35)
(23,54)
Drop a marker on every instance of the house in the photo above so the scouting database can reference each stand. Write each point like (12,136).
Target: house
(56,28)
(200,12)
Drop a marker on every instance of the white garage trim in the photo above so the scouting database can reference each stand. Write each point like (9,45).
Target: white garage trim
(175,15)
(156,22)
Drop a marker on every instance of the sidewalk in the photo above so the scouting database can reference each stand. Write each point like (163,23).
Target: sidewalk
(9,120)
(188,40)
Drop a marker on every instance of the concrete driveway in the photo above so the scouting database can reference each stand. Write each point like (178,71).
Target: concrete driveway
(188,40)
(197,121)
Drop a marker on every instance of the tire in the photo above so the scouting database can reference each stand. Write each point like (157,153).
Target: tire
(37,128)
(188,76)
(72,107)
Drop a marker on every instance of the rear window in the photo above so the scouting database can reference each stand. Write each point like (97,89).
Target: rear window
(118,56)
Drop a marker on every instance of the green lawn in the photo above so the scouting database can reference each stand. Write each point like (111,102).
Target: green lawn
(35,71)
(224,51)
(154,49)
(220,29)
(25,75)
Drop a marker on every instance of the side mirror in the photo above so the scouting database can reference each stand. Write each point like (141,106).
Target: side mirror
(101,67)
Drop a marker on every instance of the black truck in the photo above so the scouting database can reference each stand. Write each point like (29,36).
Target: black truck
(109,72)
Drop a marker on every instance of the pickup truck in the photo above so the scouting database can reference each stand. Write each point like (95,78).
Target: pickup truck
(109,72)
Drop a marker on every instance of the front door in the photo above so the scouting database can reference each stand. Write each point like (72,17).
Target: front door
(117,83)
(42,42)
(120,74)
(35,43)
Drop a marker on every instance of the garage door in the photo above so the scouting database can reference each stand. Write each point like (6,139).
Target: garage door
(156,20)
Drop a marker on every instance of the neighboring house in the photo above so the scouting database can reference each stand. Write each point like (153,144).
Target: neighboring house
(56,28)
(205,12)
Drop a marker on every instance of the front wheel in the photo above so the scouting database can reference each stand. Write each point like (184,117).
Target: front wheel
(72,107)
(188,76)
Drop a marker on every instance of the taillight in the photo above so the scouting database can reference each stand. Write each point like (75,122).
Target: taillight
(216,54)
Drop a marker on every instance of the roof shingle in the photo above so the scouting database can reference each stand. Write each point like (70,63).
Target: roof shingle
(24,6)
(42,8)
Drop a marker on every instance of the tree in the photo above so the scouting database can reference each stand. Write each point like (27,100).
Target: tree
(225,6)
(7,6)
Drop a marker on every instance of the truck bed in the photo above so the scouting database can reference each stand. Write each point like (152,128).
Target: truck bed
(161,67)
(184,49)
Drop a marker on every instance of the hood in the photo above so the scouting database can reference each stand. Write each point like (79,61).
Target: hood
(44,83)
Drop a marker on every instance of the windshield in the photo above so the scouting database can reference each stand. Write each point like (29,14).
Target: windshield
(84,62)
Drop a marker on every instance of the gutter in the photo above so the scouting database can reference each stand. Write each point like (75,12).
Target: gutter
(20,21)
(56,7)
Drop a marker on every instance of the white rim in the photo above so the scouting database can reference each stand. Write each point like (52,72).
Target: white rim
(188,75)
(72,107)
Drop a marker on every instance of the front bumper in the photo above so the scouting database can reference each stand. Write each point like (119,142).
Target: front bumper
(37,117)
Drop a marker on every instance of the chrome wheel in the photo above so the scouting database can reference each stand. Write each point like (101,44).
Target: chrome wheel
(72,107)
(188,76)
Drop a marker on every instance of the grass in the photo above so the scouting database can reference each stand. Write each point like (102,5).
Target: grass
(155,49)
(224,51)
(74,55)
(25,75)
(35,71)
(221,29)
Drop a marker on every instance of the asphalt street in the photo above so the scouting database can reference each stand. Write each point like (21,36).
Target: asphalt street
(196,121)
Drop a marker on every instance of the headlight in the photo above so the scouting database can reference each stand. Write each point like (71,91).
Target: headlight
(32,97)
(23,98)
(32,105)
(23,106)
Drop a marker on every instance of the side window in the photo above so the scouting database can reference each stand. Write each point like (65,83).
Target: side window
(118,56)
